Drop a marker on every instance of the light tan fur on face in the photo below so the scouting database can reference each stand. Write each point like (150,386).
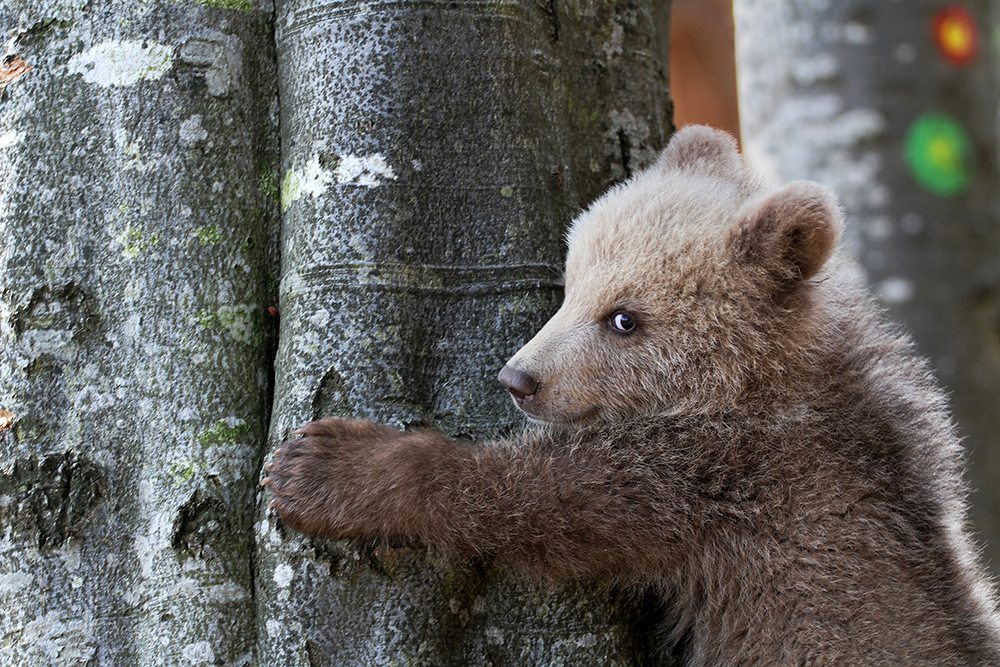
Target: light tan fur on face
(668,248)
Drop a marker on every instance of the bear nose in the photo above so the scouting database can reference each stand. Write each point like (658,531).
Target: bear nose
(519,384)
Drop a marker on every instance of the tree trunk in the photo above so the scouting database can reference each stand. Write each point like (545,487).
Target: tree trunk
(868,99)
(138,211)
(432,156)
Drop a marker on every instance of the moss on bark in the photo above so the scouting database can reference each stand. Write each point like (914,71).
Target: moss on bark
(130,204)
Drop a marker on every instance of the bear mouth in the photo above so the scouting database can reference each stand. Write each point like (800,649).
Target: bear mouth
(563,422)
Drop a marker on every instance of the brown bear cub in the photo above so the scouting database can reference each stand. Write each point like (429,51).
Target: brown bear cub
(722,415)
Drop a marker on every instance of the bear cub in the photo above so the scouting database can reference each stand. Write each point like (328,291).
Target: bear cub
(719,413)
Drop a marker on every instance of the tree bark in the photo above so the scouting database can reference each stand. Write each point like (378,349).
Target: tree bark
(138,211)
(432,156)
(848,93)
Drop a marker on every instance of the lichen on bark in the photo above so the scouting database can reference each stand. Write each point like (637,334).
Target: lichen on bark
(432,157)
(129,464)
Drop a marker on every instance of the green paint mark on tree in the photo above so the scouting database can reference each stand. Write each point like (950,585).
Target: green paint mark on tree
(938,153)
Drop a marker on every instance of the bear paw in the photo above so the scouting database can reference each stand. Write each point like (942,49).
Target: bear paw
(325,482)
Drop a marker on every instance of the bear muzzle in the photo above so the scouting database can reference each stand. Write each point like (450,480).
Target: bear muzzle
(520,385)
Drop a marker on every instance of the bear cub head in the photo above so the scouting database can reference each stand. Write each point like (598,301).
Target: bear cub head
(687,288)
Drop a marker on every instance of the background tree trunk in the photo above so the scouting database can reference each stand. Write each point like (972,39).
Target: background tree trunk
(138,210)
(840,92)
(432,156)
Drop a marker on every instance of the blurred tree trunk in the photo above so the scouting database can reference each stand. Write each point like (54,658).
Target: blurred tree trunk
(432,155)
(893,104)
(138,221)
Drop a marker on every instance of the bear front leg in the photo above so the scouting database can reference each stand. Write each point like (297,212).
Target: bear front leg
(533,503)
(355,479)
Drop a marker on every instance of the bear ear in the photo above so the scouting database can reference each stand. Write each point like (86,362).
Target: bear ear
(702,149)
(790,233)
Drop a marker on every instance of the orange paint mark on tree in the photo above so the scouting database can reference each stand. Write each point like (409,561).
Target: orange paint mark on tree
(956,35)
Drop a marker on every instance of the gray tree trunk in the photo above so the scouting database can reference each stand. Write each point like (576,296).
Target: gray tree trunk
(432,155)
(431,158)
(138,211)
(839,92)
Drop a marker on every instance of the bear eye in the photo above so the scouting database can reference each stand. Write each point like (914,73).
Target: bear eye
(622,322)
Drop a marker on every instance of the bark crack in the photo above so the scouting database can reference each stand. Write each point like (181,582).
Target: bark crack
(52,496)
(553,16)
(625,146)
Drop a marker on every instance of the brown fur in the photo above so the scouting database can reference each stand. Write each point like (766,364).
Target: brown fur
(762,447)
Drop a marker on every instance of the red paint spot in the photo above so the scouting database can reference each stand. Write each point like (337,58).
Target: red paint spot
(956,35)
